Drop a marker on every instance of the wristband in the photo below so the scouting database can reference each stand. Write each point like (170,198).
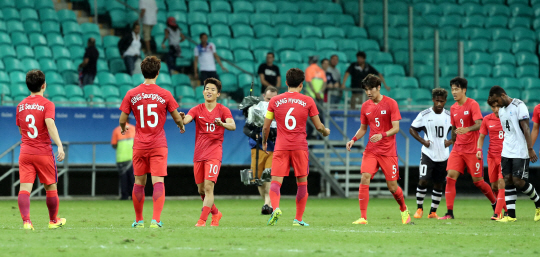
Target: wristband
(479,149)
(384,134)
(354,139)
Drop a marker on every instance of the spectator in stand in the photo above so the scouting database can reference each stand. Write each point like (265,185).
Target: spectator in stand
(269,73)
(358,71)
(89,63)
(205,59)
(148,15)
(175,36)
(315,78)
(130,47)
(331,83)
(336,74)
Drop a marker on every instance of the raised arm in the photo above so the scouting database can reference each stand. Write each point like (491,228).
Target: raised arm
(53,132)
(524,124)
(178,120)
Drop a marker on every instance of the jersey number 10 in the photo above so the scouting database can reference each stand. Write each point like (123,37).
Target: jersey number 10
(439,130)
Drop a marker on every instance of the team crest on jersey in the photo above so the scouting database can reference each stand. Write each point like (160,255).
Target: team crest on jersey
(383,112)
(466,113)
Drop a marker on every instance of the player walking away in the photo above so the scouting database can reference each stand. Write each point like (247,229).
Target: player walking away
(466,119)
(291,111)
(35,119)
(382,115)
(150,104)
(517,151)
(210,128)
(435,122)
(491,125)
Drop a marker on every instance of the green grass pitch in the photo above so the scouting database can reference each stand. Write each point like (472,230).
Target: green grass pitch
(102,228)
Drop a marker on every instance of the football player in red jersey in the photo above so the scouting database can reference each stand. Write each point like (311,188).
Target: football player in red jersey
(491,125)
(466,120)
(35,119)
(536,123)
(291,111)
(150,104)
(381,114)
(211,121)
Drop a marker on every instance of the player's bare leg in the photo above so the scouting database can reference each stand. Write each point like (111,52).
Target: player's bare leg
(301,200)
(24,204)
(450,193)
(275,195)
(498,189)
(158,197)
(52,204)
(363,198)
(396,191)
(138,200)
(206,190)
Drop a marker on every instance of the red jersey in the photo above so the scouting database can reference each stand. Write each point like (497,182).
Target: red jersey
(208,136)
(491,125)
(291,111)
(464,116)
(150,104)
(30,117)
(379,118)
(536,114)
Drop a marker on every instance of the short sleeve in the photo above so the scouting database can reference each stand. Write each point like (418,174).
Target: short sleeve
(483,128)
(86,54)
(114,139)
(17,117)
(324,75)
(193,112)
(195,51)
(308,74)
(126,105)
(213,47)
(226,113)
(277,71)
(142,4)
(313,111)
(363,117)
(523,112)
(536,112)
(476,113)
(395,114)
(418,122)
(171,103)
(452,118)
(261,69)
(49,111)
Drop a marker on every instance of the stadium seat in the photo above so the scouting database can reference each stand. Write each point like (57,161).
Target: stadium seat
(368,45)
(11,14)
(198,6)
(225,54)
(476,33)
(449,70)
(220,30)
(478,58)
(19,90)
(526,58)
(422,70)
(180,79)
(24,51)
(394,70)
(510,83)
(265,7)
(13,64)
(407,83)
(187,91)
(54,78)
(476,45)
(472,9)
(530,97)
(50,27)
(7,51)
(263,30)
(180,6)
(30,64)
(241,30)
(519,22)
(521,10)
(39,52)
(496,9)
(447,45)
(452,21)
(520,34)
(397,7)
(263,43)
(311,32)
(243,7)
(333,33)
(527,71)
(4,77)
(32,26)
(480,70)
(60,52)
(529,83)
(124,89)
(47,65)
(290,56)
(66,15)
(281,44)
(496,22)
(90,29)
(238,18)
(221,42)
(352,32)
(281,18)
(343,20)
(303,19)
(305,44)
(325,44)
(5,39)
(91,91)
(424,45)
(500,33)
(65,65)
(347,45)
(29,14)
(76,52)
(44,5)
(381,58)
(423,32)
(111,91)
(17,77)
(420,95)
(503,58)
(55,40)
(14,26)
(197,18)
(500,46)
(243,55)
(240,43)
(287,7)
(71,28)
(197,29)
(260,18)
(4,90)
(398,33)
(54,90)
(500,71)
(107,79)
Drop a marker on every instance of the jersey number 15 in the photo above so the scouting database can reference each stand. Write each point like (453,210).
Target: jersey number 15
(150,113)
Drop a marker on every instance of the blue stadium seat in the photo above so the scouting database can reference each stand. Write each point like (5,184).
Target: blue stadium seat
(496,9)
(220,30)
(241,30)
(198,6)
(47,65)
(528,46)
(521,10)
(472,9)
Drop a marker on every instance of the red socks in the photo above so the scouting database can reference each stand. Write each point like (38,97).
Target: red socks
(398,195)
(159,200)
(275,194)
(486,190)
(363,198)
(204,213)
(214,210)
(138,201)
(52,204)
(301,199)
(24,205)
(501,203)
(450,193)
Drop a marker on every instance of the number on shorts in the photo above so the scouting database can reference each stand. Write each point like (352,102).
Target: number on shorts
(394,169)
(423,170)
(461,121)
(477,166)
(290,117)
(32,126)
(211,127)
(213,169)
(377,123)
(501,134)
(150,113)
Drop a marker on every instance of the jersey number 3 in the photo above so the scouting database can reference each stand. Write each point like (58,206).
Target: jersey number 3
(31,126)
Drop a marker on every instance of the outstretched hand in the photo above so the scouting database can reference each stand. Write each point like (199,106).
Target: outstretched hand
(123,131)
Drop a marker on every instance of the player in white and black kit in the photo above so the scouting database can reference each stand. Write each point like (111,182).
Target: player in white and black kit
(435,122)
(517,151)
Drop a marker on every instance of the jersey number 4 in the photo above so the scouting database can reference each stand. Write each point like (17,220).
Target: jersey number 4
(507,125)
(150,113)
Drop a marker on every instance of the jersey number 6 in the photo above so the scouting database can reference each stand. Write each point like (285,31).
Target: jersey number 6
(288,118)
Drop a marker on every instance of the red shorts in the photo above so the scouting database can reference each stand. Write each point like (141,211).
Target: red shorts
(283,160)
(494,169)
(459,161)
(388,164)
(153,161)
(42,165)
(206,170)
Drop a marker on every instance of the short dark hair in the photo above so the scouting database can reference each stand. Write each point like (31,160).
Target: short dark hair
(91,41)
(150,67)
(202,34)
(496,90)
(334,55)
(491,101)
(371,81)
(459,82)
(213,81)
(271,54)
(135,24)
(323,60)
(439,92)
(34,80)
(271,89)
(361,54)
(294,77)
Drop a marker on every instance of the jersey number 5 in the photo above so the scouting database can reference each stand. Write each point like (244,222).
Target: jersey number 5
(288,118)
(31,126)
(150,113)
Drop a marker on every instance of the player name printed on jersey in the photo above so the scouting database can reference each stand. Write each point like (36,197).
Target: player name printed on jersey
(436,128)
(291,101)
(142,96)
(514,145)
(33,106)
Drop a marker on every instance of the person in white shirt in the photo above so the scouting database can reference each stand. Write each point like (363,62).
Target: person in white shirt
(517,151)
(130,47)
(148,14)
(205,59)
(435,122)
(173,33)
